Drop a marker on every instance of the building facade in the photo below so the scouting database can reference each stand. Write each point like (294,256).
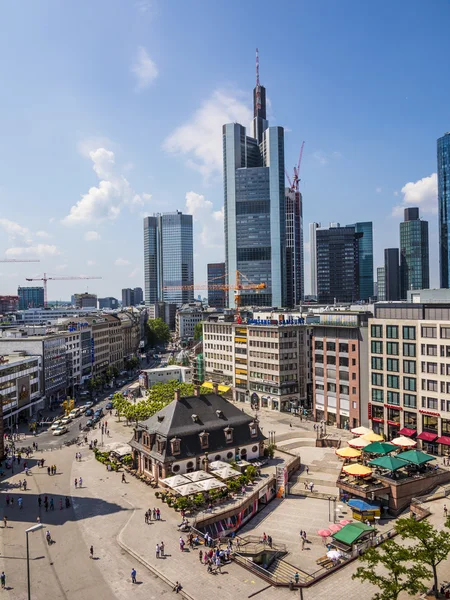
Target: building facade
(85,300)
(254,205)
(186,319)
(365,260)
(30,297)
(295,276)
(169,258)
(391,274)
(443,172)
(108,303)
(313,227)
(217,296)
(138,296)
(20,386)
(127,297)
(381,284)
(414,255)
(8,304)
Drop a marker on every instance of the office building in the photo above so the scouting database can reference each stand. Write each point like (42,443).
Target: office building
(8,304)
(391,274)
(85,300)
(186,319)
(295,276)
(443,160)
(313,227)
(109,303)
(365,243)
(414,257)
(148,377)
(138,296)
(127,297)
(30,297)
(217,296)
(337,264)
(168,258)
(381,284)
(254,204)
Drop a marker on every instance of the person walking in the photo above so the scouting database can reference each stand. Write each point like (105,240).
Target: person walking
(20,503)
(146,518)
(181,544)
(123,478)
(307,470)
(200,556)
(161,550)
(303,543)
(158,514)
(133,575)
(39,501)
(76,482)
(3,580)
(154,514)
(52,506)
(80,482)
(91,552)
(158,550)
(5,522)
(445,510)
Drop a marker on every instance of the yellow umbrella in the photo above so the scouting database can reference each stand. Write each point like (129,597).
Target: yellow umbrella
(372,437)
(358,443)
(348,453)
(361,430)
(357,470)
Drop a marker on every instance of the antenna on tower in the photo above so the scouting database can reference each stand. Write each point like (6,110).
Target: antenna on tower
(258,88)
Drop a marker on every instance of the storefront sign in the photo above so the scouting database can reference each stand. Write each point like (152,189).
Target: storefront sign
(281,475)
(428,412)
(289,321)
(394,423)
(394,406)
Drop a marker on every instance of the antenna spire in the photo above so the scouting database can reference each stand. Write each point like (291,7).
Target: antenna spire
(257,67)
(258,87)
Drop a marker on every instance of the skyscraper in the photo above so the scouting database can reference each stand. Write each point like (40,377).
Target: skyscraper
(443,159)
(30,297)
(313,227)
(255,215)
(337,264)
(295,276)
(365,260)
(381,284)
(127,297)
(414,257)
(391,274)
(168,258)
(217,298)
(138,296)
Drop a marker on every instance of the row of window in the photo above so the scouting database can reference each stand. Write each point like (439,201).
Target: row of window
(392,348)
(393,364)
(391,397)
(409,332)
(393,381)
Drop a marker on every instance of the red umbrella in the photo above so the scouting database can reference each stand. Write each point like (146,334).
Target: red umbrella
(324,533)
(344,522)
(335,527)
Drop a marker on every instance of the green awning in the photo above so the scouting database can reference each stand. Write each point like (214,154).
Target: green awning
(415,457)
(350,533)
(390,463)
(379,448)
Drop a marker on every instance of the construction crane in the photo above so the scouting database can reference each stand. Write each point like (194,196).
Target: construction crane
(238,288)
(45,279)
(17,260)
(295,182)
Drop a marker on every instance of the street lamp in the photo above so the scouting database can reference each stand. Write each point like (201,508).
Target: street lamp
(27,531)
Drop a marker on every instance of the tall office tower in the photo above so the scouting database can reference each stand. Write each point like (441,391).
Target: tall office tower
(217,297)
(313,256)
(255,215)
(168,258)
(443,159)
(381,284)
(414,257)
(337,264)
(391,274)
(127,297)
(365,260)
(138,296)
(295,275)
(30,297)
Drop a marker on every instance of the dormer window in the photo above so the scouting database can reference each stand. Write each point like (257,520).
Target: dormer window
(175,446)
(204,443)
(160,446)
(253,429)
(228,434)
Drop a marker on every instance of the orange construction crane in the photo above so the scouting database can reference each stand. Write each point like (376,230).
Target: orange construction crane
(45,279)
(16,260)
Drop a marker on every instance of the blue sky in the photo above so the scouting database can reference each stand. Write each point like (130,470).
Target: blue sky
(111,110)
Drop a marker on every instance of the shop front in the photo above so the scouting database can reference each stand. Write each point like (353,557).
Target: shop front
(378,419)
(429,434)
(393,422)
(444,441)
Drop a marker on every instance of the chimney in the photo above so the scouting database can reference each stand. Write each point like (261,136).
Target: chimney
(196,390)
(177,394)
(216,388)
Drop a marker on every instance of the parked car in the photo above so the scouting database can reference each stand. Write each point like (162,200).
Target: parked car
(56,424)
(95,418)
(90,422)
(89,412)
(111,396)
(109,406)
(74,413)
(89,404)
(66,420)
(99,412)
(60,430)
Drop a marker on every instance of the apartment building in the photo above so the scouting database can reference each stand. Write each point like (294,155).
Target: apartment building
(20,386)
(116,341)
(410,373)
(340,368)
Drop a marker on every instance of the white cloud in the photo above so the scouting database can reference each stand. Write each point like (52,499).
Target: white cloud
(199,140)
(92,236)
(91,263)
(42,234)
(89,144)
(121,262)
(144,69)
(209,220)
(105,201)
(62,267)
(422,193)
(13,229)
(37,250)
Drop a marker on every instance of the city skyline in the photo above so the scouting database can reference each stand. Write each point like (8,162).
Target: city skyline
(112,141)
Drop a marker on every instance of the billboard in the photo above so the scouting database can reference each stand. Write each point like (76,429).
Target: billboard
(23,390)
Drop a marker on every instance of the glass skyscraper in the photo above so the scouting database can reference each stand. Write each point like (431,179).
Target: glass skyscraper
(255,215)
(30,297)
(295,276)
(217,297)
(168,258)
(365,260)
(414,257)
(443,159)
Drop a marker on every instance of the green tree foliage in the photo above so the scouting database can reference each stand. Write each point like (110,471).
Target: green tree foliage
(396,574)
(198,331)
(157,332)
(432,546)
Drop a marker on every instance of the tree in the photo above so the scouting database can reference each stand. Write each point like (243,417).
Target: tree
(432,546)
(158,332)
(120,404)
(397,574)
(131,363)
(198,331)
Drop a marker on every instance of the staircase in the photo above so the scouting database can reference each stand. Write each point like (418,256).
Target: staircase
(284,572)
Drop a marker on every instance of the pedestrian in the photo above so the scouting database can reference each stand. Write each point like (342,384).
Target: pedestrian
(91,552)
(20,502)
(304,535)
(445,511)
(76,482)
(264,538)
(123,478)
(177,587)
(46,505)
(20,483)
(149,513)
(80,482)
(7,499)
(39,501)
(303,543)
(52,506)
(301,533)
(154,514)
(296,578)
(181,544)
(48,470)
(67,502)
(161,549)
(146,518)
(158,550)
(200,556)
(133,575)
(218,565)
(158,514)
(269,541)
(5,522)
(3,579)
(307,470)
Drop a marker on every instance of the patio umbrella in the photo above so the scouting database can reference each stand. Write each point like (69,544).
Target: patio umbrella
(210,484)
(348,452)
(225,473)
(404,442)
(357,470)
(175,481)
(416,457)
(372,437)
(324,533)
(189,489)
(218,464)
(361,430)
(390,463)
(379,448)
(198,476)
(344,521)
(358,443)
(334,554)
(335,527)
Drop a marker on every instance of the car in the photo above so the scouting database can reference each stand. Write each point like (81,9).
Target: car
(89,404)
(111,396)
(109,406)
(95,418)
(99,411)
(74,413)
(56,424)
(90,422)
(66,420)
(60,430)
(89,412)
